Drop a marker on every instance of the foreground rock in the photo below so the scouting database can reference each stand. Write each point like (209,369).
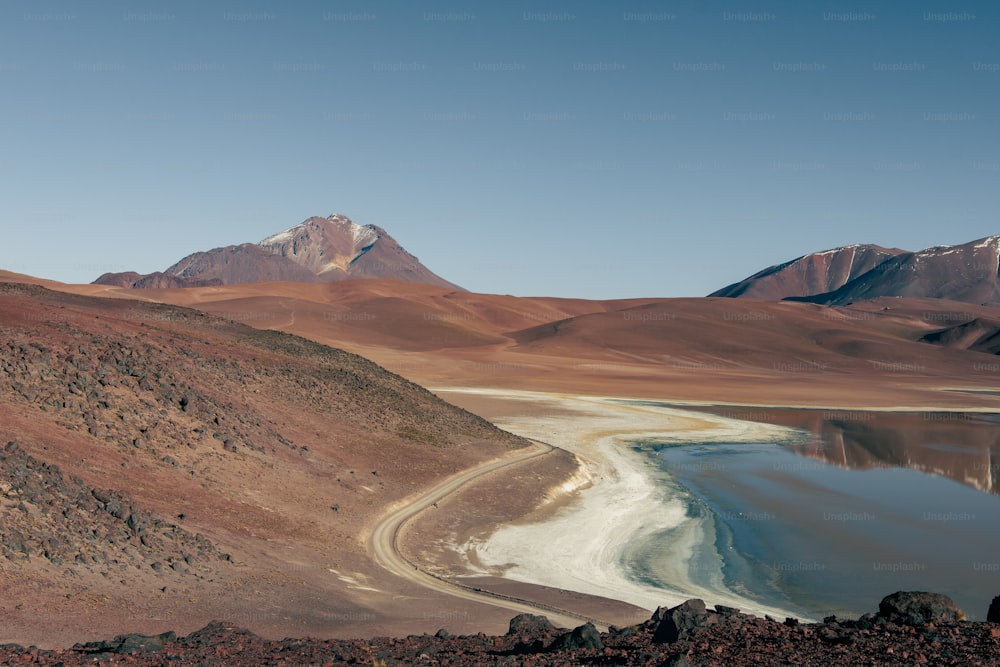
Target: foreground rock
(584,637)
(133,643)
(918,608)
(682,621)
(993,615)
(911,629)
(530,625)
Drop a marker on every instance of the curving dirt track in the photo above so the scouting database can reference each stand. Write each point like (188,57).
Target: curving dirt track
(382,543)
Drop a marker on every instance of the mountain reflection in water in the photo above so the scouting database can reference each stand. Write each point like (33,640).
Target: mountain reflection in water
(961,446)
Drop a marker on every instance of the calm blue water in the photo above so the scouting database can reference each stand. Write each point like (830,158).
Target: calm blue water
(821,539)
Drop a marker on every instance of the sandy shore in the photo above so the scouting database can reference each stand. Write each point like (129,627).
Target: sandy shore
(590,544)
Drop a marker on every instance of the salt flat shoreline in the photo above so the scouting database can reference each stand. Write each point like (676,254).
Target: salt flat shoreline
(586,545)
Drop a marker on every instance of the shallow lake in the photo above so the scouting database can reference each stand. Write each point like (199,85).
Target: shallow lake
(861,505)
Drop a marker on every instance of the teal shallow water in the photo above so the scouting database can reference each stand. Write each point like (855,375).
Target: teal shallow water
(804,534)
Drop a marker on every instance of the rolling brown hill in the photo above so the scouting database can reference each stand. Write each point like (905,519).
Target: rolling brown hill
(750,351)
(699,349)
(977,335)
(318,250)
(383,313)
(745,351)
(161,467)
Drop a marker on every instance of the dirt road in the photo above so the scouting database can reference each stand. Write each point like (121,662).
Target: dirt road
(383,544)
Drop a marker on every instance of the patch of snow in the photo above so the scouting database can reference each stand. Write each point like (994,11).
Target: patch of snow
(827,252)
(853,246)
(988,242)
(280,237)
(363,236)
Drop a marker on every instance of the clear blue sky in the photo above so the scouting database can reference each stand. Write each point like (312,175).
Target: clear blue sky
(565,148)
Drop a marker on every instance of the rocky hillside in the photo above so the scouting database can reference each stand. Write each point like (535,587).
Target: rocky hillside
(147,385)
(164,463)
(67,523)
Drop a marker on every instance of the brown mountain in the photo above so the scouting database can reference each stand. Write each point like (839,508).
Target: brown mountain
(318,250)
(967,273)
(816,273)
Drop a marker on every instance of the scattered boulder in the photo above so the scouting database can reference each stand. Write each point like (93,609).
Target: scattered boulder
(868,621)
(993,615)
(135,643)
(682,621)
(531,625)
(919,608)
(214,633)
(584,636)
(132,643)
(834,634)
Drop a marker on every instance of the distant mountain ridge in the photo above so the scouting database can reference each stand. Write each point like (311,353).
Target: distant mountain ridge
(966,273)
(815,273)
(316,250)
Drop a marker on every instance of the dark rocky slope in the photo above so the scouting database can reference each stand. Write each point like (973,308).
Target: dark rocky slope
(67,523)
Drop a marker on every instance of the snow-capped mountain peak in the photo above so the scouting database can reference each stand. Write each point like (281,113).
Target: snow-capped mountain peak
(316,250)
(323,244)
(967,272)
